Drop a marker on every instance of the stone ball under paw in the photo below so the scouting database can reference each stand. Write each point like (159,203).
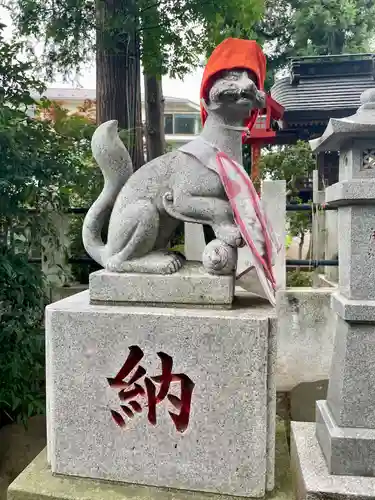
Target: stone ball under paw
(219,258)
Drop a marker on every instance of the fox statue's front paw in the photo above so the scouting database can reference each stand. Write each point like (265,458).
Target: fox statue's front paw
(229,234)
(219,258)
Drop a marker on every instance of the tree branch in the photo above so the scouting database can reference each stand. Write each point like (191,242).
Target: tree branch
(151,6)
(148,28)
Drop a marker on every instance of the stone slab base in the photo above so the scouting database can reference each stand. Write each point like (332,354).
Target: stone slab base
(37,482)
(164,396)
(347,450)
(191,285)
(311,477)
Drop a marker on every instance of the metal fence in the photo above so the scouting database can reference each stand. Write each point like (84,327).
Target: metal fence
(297,207)
(290,207)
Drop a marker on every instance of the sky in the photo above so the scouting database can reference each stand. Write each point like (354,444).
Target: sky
(187,88)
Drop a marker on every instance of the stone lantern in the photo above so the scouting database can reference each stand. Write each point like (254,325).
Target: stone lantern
(344,433)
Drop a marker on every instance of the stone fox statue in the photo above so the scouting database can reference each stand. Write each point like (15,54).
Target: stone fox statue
(145,207)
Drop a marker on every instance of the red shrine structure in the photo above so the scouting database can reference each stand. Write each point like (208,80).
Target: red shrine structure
(300,105)
(264,132)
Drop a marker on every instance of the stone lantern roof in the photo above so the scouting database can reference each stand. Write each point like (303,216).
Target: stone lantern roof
(341,130)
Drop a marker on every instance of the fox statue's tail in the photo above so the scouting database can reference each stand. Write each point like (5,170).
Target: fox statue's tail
(116,166)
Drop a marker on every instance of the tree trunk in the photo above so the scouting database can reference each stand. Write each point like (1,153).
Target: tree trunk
(300,246)
(153,70)
(136,127)
(118,71)
(309,255)
(154,105)
(336,42)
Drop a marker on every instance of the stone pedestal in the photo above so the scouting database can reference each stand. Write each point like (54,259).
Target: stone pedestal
(190,285)
(345,422)
(172,397)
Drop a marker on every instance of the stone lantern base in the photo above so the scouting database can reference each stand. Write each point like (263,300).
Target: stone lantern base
(311,476)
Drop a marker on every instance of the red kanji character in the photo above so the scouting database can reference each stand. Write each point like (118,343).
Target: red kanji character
(126,394)
(164,380)
(130,390)
(181,420)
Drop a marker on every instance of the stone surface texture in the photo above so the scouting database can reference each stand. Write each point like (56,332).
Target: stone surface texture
(191,285)
(194,241)
(357,252)
(354,192)
(351,392)
(305,338)
(271,404)
(219,258)
(36,483)
(354,162)
(354,311)
(347,450)
(146,206)
(228,355)
(312,478)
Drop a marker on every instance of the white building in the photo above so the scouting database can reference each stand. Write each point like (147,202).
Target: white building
(181,116)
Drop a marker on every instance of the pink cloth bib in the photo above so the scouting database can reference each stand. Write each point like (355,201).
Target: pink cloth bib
(256,230)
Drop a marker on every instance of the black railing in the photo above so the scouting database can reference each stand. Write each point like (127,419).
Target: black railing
(311,263)
(300,207)
(290,207)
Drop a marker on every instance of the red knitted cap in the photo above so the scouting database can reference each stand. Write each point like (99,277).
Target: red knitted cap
(234,53)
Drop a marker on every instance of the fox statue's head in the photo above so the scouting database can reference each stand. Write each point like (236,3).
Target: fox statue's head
(234,94)
(233,82)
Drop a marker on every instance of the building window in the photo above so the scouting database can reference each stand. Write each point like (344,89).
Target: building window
(185,124)
(168,124)
(31,111)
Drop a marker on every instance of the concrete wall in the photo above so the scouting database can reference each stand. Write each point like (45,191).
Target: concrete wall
(306,327)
